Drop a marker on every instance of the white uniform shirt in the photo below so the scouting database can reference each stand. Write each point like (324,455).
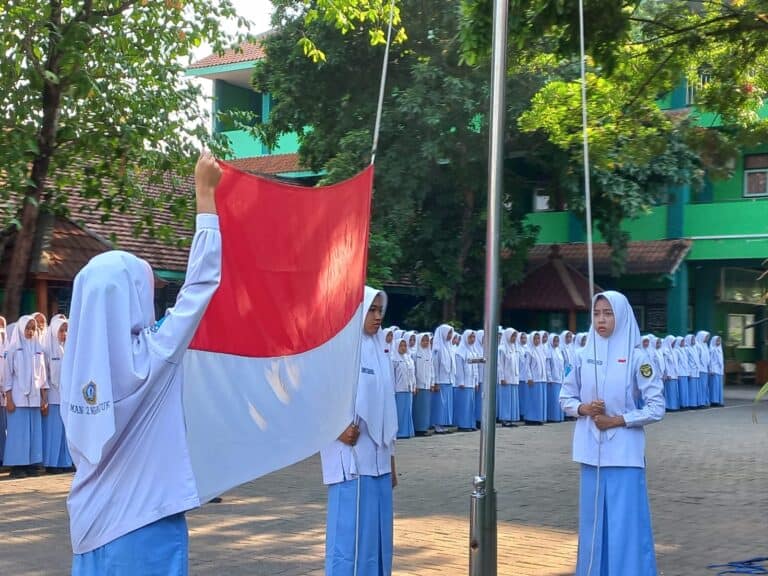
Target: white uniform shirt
(145,473)
(618,446)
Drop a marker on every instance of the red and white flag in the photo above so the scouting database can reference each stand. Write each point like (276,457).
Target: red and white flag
(271,374)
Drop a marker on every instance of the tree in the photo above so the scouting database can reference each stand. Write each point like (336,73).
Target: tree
(90,95)
(638,51)
(429,203)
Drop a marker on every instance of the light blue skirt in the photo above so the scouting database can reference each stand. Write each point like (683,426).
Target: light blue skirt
(24,443)
(422,411)
(623,537)
(55,451)
(157,549)
(404,402)
(694,391)
(442,405)
(522,390)
(3,426)
(554,412)
(716,389)
(359,510)
(515,402)
(464,408)
(504,402)
(536,402)
(683,389)
(671,395)
(704,388)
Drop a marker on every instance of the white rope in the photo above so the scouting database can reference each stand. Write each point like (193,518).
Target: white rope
(590,259)
(384,66)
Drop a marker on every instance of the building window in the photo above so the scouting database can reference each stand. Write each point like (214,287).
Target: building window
(756,175)
(692,86)
(738,333)
(541,200)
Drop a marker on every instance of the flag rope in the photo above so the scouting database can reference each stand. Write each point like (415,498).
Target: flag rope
(590,255)
(382,85)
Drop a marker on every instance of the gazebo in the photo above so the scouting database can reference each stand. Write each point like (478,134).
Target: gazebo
(552,287)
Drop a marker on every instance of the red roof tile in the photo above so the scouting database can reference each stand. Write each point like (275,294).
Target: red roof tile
(61,249)
(248,52)
(643,257)
(273,164)
(552,286)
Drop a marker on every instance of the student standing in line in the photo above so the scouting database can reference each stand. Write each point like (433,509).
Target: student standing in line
(425,380)
(615,533)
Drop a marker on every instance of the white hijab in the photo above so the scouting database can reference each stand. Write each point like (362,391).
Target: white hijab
(54,349)
(375,401)
(443,348)
(107,346)
(27,366)
(607,363)
(466,350)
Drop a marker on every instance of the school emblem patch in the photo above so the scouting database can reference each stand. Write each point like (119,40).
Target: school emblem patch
(646,371)
(89,393)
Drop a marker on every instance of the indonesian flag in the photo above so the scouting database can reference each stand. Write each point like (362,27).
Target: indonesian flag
(271,375)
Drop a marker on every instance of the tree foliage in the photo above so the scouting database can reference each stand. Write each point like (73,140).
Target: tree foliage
(429,203)
(92,97)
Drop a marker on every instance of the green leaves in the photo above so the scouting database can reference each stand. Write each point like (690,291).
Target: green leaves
(123,105)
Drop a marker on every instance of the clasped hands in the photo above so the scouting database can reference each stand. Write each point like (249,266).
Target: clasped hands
(596,411)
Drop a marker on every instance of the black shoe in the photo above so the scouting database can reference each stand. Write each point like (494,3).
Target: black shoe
(216,500)
(17,472)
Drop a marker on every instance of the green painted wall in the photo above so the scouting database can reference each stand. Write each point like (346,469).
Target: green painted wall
(733,188)
(553,226)
(228,97)
(746,216)
(244,145)
(562,227)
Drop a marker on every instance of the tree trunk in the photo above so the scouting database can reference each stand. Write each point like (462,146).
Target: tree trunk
(34,194)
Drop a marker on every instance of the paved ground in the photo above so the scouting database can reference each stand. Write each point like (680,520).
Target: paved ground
(708,482)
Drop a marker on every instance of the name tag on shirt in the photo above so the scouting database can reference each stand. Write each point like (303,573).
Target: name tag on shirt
(367,370)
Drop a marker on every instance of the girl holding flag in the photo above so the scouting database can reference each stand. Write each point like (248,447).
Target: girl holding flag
(121,402)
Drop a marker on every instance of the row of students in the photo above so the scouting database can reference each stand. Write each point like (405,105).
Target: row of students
(31,428)
(439,378)
(692,368)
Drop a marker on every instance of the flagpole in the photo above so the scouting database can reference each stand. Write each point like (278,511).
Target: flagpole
(482,524)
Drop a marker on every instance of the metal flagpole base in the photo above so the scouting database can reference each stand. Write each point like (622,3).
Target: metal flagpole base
(482,530)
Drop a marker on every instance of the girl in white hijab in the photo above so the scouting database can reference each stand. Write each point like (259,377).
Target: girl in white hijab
(479,354)
(683,386)
(26,388)
(717,370)
(557,373)
(411,338)
(702,345)
(359,467)
(507,397)
(524,358)
(615,534)
(56,456)
(121,401)
(671,382)
(536,392)
(694,362)
(405,386)
(466,382)
(444,361)
(425,380)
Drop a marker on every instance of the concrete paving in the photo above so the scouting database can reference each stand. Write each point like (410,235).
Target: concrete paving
(707,477)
